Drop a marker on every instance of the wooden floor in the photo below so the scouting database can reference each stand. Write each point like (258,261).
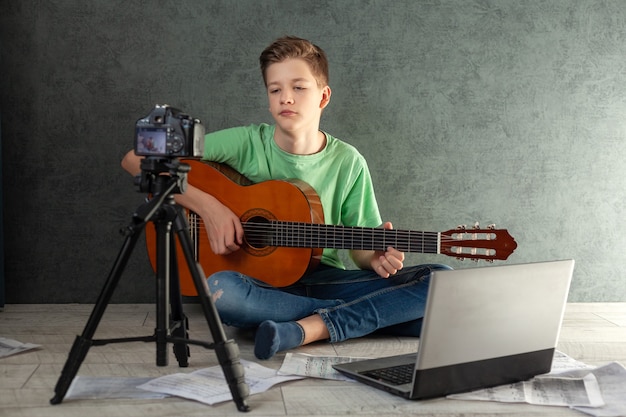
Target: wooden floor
(593,333)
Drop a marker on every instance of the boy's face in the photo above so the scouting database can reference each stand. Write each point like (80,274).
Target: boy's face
(296,101)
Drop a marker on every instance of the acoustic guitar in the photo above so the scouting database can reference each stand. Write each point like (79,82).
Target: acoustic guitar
(284,231)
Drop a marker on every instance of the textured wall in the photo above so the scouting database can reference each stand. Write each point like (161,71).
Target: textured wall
(493,111)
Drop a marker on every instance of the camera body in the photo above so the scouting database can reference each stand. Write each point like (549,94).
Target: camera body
(169,133)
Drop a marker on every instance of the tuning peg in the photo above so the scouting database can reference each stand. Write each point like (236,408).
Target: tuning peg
(475,260)
(477,225)
(461,227)
(492,226)
(460,259)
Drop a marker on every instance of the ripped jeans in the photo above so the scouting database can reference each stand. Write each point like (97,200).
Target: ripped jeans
(352,303)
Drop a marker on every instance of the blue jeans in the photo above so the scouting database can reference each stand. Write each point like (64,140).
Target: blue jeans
(352,303)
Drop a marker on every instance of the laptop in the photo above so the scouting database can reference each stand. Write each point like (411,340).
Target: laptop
(482,327)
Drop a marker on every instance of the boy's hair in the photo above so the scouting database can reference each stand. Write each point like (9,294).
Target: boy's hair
(293,47)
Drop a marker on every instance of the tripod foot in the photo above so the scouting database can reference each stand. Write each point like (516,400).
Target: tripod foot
(76,357)
(181,350)
(228,355)
(180,330)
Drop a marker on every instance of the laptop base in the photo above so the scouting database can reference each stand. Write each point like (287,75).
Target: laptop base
(453,379)
(464,377)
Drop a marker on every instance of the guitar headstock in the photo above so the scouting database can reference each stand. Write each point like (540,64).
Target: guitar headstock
(488,244)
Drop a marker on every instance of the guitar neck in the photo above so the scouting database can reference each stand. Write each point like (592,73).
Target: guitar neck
(314,235)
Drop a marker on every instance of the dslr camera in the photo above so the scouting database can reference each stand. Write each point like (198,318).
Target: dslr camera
(169,133)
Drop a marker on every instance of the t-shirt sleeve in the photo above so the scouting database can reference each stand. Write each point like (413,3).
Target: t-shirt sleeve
(242,148)
(226,146)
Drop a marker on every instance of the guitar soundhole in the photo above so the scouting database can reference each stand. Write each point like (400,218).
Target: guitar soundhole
(257,232)
(257,226)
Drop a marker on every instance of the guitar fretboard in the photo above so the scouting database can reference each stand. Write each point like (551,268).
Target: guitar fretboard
(313,235)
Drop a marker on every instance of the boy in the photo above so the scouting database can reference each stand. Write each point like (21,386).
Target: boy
(330,303)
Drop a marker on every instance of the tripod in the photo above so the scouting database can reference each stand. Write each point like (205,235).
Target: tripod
(171,325)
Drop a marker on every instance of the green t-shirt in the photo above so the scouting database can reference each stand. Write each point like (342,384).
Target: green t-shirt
(339,173)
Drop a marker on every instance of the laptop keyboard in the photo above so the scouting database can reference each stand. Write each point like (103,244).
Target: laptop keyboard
(397,375)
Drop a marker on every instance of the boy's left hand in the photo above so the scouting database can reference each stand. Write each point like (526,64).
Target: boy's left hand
(389,262)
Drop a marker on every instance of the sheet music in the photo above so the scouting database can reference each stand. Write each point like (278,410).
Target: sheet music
(208,385)
(91,388)
(570,383)
(10,347)
(314,366)
(554,391)
(612,380)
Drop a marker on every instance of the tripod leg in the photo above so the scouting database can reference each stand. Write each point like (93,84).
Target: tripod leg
(170,316)
(177,317)
(83,342)
(227,351)
(163,269)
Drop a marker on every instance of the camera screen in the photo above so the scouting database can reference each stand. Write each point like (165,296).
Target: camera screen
(151,141)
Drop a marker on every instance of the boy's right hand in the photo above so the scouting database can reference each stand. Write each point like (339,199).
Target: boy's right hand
(224,229)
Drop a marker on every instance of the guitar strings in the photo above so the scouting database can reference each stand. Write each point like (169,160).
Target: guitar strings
(252,227)
(258,233)
(315,235)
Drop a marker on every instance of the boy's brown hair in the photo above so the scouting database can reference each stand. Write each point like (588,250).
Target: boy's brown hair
(294,47)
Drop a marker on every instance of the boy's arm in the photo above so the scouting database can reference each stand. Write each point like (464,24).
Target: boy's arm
(384,263)
(223,227)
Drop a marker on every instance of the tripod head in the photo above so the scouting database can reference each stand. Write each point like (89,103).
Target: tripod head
(160,175)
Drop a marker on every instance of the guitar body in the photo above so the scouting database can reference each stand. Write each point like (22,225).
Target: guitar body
(290,200)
